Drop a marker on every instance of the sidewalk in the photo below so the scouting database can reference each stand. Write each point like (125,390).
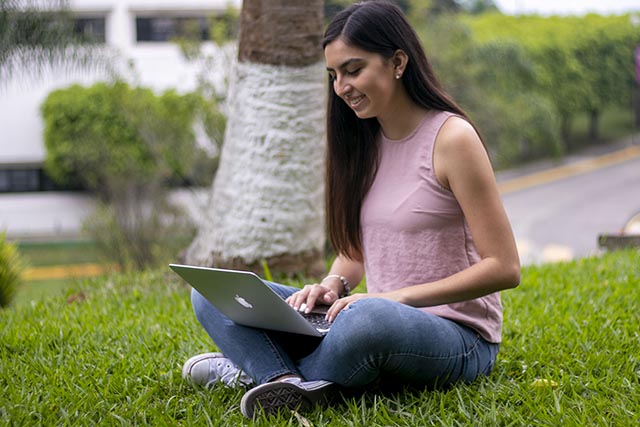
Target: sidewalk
(55,216)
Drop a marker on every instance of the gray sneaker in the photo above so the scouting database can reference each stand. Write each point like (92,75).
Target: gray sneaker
(209,368)
(290,393)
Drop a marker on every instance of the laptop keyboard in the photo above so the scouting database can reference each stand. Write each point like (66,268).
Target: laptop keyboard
(318,321)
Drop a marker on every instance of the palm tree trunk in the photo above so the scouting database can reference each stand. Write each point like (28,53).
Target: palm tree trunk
(267,200)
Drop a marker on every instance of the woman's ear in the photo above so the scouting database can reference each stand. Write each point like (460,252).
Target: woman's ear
(400,60)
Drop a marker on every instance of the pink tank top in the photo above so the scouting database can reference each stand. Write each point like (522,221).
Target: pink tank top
(414,231)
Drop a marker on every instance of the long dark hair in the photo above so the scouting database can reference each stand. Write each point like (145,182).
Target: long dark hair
(352,153)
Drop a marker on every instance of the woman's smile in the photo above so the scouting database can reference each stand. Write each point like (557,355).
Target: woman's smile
(355,101)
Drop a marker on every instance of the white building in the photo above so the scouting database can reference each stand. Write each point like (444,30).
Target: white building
(138,33)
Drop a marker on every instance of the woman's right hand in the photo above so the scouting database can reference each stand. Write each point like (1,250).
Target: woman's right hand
(311,295)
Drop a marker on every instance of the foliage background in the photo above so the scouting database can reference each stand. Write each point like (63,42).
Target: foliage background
(129,146)
(525,79)
(581,64)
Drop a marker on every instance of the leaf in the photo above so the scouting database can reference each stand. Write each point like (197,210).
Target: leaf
(302,420)
(544,383)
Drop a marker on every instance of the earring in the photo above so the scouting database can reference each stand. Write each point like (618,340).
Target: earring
(398,76)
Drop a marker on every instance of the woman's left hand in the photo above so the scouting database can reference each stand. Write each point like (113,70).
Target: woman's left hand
(345,302)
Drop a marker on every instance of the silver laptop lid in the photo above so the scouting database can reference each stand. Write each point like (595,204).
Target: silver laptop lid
(245,298)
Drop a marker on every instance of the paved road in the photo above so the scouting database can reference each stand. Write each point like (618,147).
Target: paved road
(562,218)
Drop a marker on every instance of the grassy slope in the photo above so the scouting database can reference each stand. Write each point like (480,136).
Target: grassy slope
(109,351)
(47,254)
(37,254)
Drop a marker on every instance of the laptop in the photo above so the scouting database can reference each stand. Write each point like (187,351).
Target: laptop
(248,300)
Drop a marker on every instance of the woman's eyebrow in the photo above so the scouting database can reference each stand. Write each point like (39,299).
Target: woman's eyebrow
(346,63)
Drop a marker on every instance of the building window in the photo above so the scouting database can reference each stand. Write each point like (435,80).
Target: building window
(18,180)
(4,181)
(167,28)
(28,179)
(90,29)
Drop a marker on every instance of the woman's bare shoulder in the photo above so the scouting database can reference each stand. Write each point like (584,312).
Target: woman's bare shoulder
(456,132)
(458,144)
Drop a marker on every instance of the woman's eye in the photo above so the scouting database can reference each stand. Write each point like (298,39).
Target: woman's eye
(354,72)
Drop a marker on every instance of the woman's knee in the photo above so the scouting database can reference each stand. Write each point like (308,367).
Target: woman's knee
(367,323)
(199,303)
(375,313)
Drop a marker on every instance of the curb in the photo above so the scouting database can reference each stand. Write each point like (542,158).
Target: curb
(66,271)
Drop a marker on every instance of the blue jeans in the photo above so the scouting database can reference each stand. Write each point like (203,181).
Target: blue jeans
(375,341)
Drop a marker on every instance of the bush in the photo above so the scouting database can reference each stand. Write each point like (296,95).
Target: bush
(127,145)
(10,270)
(144,236)
(109,134)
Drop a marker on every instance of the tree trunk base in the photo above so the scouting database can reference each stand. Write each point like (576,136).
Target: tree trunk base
(619,241)
(308,264)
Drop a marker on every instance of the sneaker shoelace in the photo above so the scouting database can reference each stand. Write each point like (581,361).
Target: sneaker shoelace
(306,385)
(228,373)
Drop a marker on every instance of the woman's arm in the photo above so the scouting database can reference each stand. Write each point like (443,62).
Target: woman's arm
(462,165)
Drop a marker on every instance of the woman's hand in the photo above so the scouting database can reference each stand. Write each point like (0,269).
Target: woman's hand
(328,291)
(320,294)
(343,304)
(311,295)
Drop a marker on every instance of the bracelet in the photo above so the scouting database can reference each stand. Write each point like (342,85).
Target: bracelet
(343,280)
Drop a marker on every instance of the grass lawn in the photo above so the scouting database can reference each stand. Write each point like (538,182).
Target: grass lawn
(108,351)
(50,254)
(41,289)
(39,254)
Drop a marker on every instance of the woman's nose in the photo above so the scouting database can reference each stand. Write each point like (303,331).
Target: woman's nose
(341,87)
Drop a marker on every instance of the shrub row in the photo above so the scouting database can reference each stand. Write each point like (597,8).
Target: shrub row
(581,65)
(525,78)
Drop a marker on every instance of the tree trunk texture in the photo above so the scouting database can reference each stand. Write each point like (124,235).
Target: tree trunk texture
(636,104)
(565,132)
(267,200)
(594,126)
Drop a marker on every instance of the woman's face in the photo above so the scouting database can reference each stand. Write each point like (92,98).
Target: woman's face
(364,80)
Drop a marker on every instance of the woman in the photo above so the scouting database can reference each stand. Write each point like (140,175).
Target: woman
(413,204)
